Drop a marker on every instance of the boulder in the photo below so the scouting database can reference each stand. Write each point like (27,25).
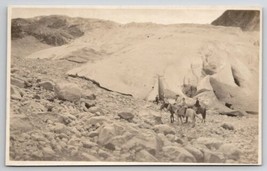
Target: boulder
(33,107)
(164,139)
(146,140)
(227,126)
(212,157)
(126,115)
(164,128)
(37,136)
(88,157)
(48,85)
(211,143)
(73,141)
(103,153)
(95,110)
(144,156)
(16,93)
(178,154)
(150,116)
(88,144)
(230,151)
(18,82)
(108,131)
(110,146)
(88,103)
(14,70)
(20,123)
(59,128)
(195,152)
(95,120)
(93,134)
(37,154)
(88,95)
(68,91)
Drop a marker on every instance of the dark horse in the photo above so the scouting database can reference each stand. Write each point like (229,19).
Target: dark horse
(201,110)
(174,109)
(167,105)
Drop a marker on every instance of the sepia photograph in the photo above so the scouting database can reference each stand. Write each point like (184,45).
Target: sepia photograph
(134,85)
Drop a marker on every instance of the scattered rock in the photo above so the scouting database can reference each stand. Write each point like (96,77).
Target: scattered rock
(171,137)
(93,134)
(88,103)
(89,157)
(227,126)
(179,140)
(48,85)
(108,131)
(88,95)
(14,70)
(230,151)
(18,82)
(59,128)
(88,144)
(36,97)
(37,136)
(103,153)
(74,141)
(15,93)
(164,128)
(211,143)
(68,91)
(110,146)
(212,157)
(150,116)
(95,120)
(195,152)
(37,154)
(147,140)
(126,115)
(178,154)
(94,109)
(20,123)
(144,156)
(48,150)
(164,139)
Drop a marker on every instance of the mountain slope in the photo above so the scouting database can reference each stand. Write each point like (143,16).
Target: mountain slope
(247,20)
(128,58)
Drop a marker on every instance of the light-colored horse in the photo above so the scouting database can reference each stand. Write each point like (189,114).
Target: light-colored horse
(191,114)
(178,110)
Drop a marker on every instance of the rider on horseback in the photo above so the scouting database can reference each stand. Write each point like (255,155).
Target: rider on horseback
(197,103)
(200,110)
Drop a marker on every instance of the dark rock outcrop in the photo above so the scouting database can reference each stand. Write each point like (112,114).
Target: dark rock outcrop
(51,30)
(247,20)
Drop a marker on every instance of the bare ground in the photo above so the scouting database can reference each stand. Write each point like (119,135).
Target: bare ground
(35,140)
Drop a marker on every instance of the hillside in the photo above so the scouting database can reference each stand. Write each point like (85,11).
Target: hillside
(247,20)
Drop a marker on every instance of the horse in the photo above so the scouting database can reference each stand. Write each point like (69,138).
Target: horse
(178,110)
(190,113)
(202,111)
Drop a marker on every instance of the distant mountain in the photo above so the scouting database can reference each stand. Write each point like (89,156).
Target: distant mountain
(247,20)
(54,30)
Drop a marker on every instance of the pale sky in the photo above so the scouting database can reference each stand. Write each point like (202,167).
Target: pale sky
(123,15)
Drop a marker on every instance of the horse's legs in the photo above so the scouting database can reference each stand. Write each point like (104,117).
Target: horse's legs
(172,118)
(203,117)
